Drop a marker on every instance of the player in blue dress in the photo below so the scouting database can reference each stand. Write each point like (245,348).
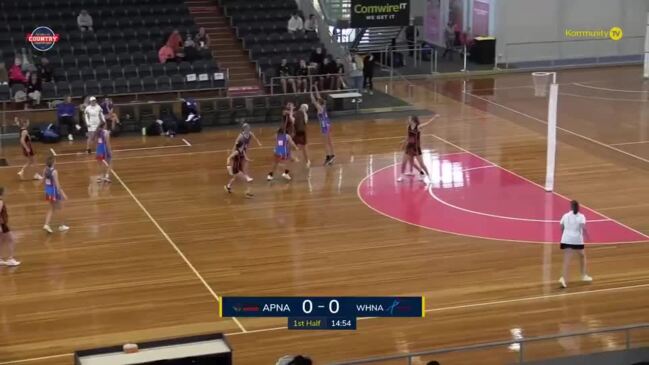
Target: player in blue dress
(283,145)
(244,137)
(54,194)
(320,105)
(104,152)
(235,162)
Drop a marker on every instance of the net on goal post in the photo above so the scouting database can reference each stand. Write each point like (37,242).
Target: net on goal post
(545,85)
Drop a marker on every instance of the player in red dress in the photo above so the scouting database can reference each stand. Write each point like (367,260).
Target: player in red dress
(412,152)
(236,162)
(27,149)
(6,237)
(244,137)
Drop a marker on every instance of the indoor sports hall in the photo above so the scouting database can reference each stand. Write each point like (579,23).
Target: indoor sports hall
(191,226)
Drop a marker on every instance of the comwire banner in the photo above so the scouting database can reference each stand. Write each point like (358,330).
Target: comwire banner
(380,13)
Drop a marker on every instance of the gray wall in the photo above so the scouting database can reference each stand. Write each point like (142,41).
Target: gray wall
(524,21)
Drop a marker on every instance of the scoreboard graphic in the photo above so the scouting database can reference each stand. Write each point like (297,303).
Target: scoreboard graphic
(322,313)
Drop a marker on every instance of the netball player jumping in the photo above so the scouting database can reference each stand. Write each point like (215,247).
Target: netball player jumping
(26,145)
(244,138)
(320,105)
(104,152)
(236,162)
(413,147)
(301,118)
(283,145)
(6,237)
(54,194)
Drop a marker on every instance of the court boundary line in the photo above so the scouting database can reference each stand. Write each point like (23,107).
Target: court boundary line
(173,244)
(559,128)
(581,84)
(628,143)
(428,310)
(444,202)
(537,184)
(186,144)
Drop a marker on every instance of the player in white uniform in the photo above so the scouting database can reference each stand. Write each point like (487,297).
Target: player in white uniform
(573,228)
(93,116)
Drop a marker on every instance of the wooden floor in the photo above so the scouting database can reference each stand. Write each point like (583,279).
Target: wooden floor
(148,255)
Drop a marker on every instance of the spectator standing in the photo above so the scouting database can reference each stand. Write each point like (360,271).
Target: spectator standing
(166,53)
(368,73)
(34,88)
(284,71)
(84,21)
(311,25)
(411,31)
(356,72)
(302,74)
(16,75)
(449,37)
(340,74)
(46,70)
(65,115)
(4,76)
(295,23)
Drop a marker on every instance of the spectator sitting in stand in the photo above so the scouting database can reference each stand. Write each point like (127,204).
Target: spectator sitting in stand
(84,21)
(166,53)
(34,89)
(189,49)
(311,25)
(202,40)
(46,70)
(302,74)
(284,71)
(175,42)
(16,75)
(316,64)
(295,23)
(65,115)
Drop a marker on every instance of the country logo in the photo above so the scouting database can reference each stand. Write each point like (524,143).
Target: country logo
(43,38)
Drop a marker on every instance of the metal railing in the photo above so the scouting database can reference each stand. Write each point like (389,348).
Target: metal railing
(310,78)
(522,344)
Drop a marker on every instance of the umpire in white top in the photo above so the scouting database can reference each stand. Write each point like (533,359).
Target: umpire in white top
(93,116)
(573,228)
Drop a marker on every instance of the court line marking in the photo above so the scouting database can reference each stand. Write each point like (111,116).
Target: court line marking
(429,310)
(128,149)
(187,142)
(609,89)
(53,152)
(360,197)
(560,128)
(434,196)
(539,185)
(628,143)
(602,98)
(172,243)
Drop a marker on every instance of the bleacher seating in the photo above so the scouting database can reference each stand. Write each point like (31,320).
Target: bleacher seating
(262,27)
(119,57)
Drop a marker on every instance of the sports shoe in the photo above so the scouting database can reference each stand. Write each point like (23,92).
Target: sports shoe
(70,138)
(286,176)
(12,262)
(48,229)
(227,189)
(269,178)
(249,195)
(249,179)
(21,174)
(88,151)
(332,158)
(586,278)
(63,228)
(308,164)
(37,176)
(562,282)
(400,179)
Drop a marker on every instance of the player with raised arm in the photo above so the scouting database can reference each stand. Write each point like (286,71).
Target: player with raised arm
(412,152)
(320,105)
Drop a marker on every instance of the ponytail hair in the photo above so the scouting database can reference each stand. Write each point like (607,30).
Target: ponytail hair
(574,206)
(50,161)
